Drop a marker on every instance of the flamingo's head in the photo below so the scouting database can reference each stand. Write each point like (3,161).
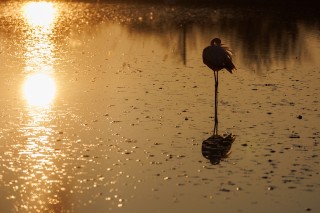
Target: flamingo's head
(216,42)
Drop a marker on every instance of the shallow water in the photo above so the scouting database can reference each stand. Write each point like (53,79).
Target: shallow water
(104,108)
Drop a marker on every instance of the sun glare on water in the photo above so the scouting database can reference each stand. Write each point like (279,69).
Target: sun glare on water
(39,89)
(39,13)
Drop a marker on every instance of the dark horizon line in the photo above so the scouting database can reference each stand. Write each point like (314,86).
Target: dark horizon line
(213,2)
(311,5)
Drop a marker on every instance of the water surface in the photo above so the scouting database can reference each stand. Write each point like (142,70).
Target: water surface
(104,108)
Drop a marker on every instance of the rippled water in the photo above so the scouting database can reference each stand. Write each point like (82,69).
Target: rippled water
(105,108)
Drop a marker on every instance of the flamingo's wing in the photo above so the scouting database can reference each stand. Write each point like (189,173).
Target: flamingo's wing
(214,57)
(227,59)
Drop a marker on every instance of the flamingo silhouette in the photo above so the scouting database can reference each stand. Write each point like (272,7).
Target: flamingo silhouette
(217,57)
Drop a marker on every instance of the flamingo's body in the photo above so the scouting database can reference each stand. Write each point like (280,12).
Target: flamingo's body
(217,57)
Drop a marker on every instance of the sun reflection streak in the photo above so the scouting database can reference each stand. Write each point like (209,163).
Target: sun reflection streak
(39,87)
(38,157)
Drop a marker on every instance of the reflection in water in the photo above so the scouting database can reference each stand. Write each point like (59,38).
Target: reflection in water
(217,147)
(39,13)
(38,166)
(262,40)
(40,181)
(41,17)
(39,89)
(37,160)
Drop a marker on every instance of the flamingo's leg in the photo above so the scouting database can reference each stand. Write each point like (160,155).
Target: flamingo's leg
(215,130)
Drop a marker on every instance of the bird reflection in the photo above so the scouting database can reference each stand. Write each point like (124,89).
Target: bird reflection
(217,147)
(217,57)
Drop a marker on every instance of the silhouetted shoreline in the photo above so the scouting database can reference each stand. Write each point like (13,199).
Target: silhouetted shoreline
(287,3)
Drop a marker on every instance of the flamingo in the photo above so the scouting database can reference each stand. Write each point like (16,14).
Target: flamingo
(217,57)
